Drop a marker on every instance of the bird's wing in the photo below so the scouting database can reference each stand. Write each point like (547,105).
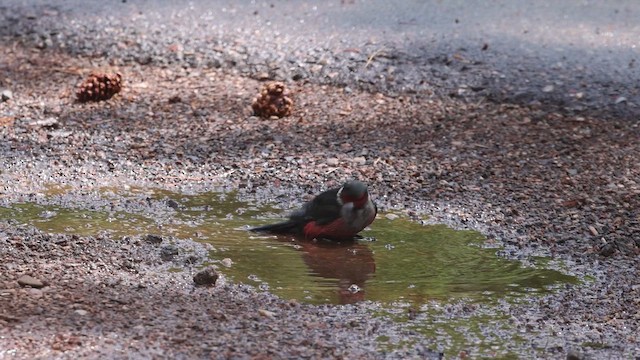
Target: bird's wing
(323,209)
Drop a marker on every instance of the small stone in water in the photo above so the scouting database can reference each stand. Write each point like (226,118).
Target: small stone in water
(173,204)
(227,262)
(354,288)
(48,214)
(391,216)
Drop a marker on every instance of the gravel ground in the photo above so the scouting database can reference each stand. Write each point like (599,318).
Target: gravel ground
(552,172)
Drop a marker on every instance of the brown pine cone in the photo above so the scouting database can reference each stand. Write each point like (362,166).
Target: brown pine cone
(99,86)
(273,101)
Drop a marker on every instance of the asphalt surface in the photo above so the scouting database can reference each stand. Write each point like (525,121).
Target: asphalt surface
(574,56)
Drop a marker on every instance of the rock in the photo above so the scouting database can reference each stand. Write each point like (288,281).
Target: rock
(153,239)
(168,252)
(206,277)
(26,280)
(81,312)
(6,95)
(547,89)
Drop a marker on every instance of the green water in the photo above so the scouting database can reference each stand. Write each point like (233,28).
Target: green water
(407,261)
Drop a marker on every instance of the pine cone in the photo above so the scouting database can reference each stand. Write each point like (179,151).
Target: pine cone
(273,101)
(99,86)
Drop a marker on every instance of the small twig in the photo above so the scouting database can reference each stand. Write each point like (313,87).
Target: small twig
(372,56)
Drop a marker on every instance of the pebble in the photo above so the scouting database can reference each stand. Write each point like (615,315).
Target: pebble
(333,161)
(26,280)
(574,355)
(81,312)
(607,250)
(267,313)
(34,293)
(620,99)
(548,89)
(360,160)
(6,95)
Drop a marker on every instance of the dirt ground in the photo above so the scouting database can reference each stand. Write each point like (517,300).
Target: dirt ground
(535,176)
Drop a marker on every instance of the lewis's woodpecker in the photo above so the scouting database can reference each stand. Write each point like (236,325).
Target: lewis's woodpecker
(336,214)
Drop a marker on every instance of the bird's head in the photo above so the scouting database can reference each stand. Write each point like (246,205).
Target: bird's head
(353,192)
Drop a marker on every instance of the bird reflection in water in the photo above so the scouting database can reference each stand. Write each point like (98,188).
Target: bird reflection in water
(351,263)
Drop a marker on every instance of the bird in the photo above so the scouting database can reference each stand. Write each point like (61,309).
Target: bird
(335,214)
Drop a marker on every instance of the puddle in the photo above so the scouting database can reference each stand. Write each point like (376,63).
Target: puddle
(419,271)
(407,261)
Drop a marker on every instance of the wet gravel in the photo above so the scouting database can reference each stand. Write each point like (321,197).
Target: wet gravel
(548,174)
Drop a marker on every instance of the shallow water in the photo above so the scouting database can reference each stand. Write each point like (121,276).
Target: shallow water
(398,260)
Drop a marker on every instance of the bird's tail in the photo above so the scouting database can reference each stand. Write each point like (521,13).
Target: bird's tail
(286,227)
